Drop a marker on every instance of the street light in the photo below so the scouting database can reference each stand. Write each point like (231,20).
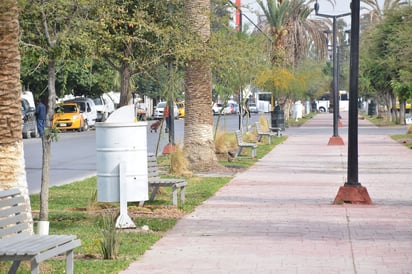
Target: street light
(353,191)
(335,139)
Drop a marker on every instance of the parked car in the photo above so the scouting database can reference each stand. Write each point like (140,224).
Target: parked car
(88,108)
(104,107)
(181,109)
(216,108)
(68,116)
(231,108)
(28,95)
(29,119)
(158,113)
(253,108)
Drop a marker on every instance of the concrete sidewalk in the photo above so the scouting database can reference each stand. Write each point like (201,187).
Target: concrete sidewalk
(278,217)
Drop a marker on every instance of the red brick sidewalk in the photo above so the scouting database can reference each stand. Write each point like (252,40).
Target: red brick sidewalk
(278,217)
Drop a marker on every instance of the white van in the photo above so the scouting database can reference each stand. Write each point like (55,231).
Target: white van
(28,95)
(104,106)
(88,108)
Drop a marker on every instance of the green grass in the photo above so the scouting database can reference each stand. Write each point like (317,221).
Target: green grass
(292,123)
(401,136)
(405,139)
(73,210)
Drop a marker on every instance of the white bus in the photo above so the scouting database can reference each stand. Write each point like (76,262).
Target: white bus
(264,101)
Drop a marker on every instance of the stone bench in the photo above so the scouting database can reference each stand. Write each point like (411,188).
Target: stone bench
(156,182)
(261,133)
(241,145)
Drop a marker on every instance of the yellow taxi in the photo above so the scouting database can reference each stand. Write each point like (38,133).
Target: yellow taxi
(181,109)
(68,116)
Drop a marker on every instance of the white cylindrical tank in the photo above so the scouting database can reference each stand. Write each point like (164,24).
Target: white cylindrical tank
(121,140)
(297,110)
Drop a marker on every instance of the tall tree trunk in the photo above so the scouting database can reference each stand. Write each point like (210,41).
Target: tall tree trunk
(395,116)
(198,139)
(12,166)
(124,84)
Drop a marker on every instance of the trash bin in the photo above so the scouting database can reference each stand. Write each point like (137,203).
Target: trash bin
(314,106)
(297,110)
(307,108)
(371,108)
(121,141)
(278,118)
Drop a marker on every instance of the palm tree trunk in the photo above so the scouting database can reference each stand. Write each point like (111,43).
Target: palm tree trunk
(12,166)
(198,140)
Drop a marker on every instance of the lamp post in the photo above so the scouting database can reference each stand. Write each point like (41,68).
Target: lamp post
(352,191)
(335,139)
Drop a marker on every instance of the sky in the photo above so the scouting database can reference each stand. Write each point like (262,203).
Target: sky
(251,8)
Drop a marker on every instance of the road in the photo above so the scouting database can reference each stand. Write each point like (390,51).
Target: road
(73,156)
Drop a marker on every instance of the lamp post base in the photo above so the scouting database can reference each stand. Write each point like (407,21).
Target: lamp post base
(335,141)
(169,148)
(352,195)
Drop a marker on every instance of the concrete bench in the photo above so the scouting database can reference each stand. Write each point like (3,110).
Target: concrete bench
(278,130)
(156,182)
(241,145)
(261,133)
(17,244)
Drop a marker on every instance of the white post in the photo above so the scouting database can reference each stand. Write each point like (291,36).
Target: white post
(123,221)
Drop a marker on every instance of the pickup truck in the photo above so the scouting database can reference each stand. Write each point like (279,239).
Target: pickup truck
(323,103)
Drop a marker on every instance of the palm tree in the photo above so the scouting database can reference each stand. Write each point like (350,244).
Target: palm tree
(198,138)
(12,170)
(376,12)
(292,31)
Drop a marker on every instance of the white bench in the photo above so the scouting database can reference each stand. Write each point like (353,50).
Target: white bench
(261,133)
(16,244)
(156,182)
(241,145)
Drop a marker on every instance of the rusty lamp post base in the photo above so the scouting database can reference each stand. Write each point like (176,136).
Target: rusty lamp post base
(169,149)
(352,195)
(335,141)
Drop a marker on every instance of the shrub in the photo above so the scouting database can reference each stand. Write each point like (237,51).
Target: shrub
(110,242)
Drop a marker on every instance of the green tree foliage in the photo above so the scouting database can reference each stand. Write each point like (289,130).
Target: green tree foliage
(386,62)
(50,31)
(48,28)
(236,59)
(137,36)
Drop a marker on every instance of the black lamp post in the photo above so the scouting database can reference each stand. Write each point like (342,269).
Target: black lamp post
(353,191)
(335,140)
(353,178)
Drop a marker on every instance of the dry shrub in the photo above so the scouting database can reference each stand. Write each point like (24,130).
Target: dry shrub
(231,142)
(264,123)
(179,165)
(409,131)
(220,142)
(225,142)
(249,137)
